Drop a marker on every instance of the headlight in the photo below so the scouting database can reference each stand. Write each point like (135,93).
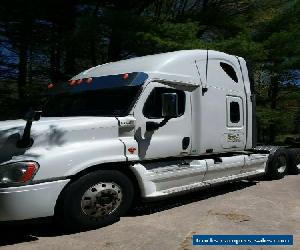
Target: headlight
(18,172)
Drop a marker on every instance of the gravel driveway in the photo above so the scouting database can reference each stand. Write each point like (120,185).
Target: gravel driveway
(245,207)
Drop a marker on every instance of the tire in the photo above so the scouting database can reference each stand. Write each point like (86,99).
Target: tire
(294,161)
(277,164)
(95,200)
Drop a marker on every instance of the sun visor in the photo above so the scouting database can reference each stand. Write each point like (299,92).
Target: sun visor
(95,83)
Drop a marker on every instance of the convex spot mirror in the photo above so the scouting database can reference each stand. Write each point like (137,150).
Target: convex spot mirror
(169,105)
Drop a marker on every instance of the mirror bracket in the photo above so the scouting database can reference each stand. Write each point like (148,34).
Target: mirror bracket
(152,126)
(26,141)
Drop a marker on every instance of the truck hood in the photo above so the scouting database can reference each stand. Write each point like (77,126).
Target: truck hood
(54,132)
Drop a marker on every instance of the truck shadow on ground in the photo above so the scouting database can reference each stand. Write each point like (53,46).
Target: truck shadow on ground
(14,233)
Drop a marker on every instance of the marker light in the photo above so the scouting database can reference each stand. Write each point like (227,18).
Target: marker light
(72,82)
(89,80)
(131,150)
(50,85)
(125,76)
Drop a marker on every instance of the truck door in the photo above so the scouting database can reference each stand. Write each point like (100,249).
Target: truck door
(173,137)
(234,122)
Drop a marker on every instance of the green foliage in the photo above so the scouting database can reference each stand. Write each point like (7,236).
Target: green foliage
(244,46)
(169,36)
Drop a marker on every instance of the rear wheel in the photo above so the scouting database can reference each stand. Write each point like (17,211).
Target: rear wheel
(294,157)
(277,164)
(96,199)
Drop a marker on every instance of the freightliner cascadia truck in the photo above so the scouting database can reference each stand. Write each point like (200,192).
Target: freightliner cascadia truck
(143,128)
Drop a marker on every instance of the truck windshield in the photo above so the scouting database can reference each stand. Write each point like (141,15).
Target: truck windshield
(105,102)
(97,96)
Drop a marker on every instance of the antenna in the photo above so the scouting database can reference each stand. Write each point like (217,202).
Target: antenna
(206,66)
(205,89)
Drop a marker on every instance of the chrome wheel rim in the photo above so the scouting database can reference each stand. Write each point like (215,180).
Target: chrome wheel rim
(101,199)
(281,164)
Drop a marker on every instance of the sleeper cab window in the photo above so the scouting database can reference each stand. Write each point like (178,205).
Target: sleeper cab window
(235,116)
(229,70)
(153,106)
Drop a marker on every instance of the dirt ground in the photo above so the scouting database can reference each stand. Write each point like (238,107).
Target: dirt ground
(244,207)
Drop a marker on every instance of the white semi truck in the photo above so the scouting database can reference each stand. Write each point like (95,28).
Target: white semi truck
(143,128)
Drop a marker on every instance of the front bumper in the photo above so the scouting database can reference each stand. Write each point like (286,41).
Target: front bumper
(31,201)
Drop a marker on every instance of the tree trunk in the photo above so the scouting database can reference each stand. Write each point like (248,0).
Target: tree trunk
(22,68)
(274,91)
(273,95)
(115,44)
(93,44)
(158,8)
(24,42)
(69,62)
(55,54)
(67,28)
(205,4)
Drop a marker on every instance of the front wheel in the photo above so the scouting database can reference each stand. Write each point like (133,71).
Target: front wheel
(96,199)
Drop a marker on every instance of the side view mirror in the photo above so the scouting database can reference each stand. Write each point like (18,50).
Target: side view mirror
(169,110)
(169,105)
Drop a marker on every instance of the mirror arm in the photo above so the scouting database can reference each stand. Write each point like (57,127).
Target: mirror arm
(164,121)
(152,126)
(26,140)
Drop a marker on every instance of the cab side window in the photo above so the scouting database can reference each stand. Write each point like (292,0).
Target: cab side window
(229,70)
(235,115)
(153,106)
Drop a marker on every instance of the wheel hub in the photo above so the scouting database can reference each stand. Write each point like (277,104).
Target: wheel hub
(106,197)
(101,199)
